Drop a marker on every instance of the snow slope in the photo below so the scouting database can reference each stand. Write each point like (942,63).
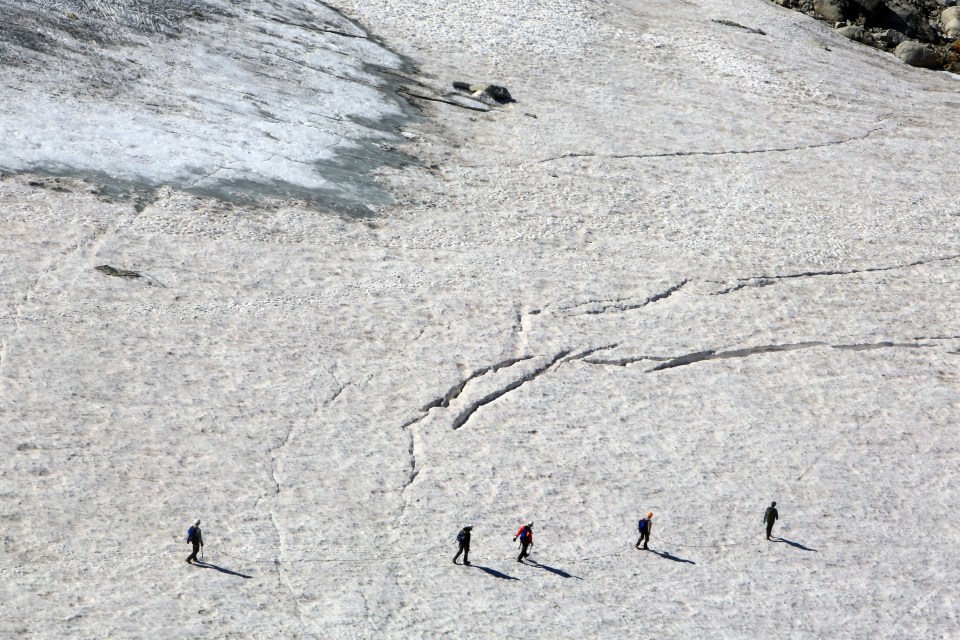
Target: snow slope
(693,269)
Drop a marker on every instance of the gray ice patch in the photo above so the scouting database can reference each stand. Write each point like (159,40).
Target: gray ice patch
(238,101)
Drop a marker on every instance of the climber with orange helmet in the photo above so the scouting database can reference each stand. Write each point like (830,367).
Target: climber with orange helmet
(644,526)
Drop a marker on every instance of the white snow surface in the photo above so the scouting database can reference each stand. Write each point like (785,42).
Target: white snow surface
(692,269)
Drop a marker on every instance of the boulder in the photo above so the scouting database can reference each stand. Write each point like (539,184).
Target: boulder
(870,6)
(489,91)
(908,18)
(889,37)
(853,32)
(831,10)
(917,54)
(118,273)
(950,18)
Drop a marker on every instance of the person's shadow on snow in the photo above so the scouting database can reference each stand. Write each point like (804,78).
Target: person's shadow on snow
(559,572)
(668,556)
(207,565)
(795,544)
(493,572)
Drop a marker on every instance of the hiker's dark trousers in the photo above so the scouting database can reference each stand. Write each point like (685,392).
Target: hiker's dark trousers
(465,550)
(196,550)
(524,546)
(644,538)
(769,528)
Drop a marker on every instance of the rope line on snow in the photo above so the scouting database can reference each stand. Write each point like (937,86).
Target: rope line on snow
(437,546)
(628,550)
(714,545)
(367,560)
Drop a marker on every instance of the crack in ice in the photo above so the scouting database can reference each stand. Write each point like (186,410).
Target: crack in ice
(763,281)
(278,563)
(473,407)
(314,29)
(683,154)
(712,354)
(468,412)
(406,94)
(414,472)
(617,305)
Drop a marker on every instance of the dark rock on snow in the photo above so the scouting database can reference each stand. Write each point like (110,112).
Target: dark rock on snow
(490,91)
(119,273)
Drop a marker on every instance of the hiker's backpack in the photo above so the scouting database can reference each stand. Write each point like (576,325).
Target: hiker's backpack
(191,534)
(642,525)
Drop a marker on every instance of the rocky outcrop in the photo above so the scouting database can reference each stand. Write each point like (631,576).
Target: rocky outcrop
(486,92)
(921,33)
(917,54)
(830,10)
(853,32)
(950,19)
(118,273)
(869,6)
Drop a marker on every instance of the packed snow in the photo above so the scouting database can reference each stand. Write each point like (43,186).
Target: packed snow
(693,269)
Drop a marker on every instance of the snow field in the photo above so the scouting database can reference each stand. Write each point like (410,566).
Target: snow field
(717,269)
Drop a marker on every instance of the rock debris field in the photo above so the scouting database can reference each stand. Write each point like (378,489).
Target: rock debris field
(265,265)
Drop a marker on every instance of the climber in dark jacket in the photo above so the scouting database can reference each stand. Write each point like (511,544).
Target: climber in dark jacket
(645,526)
(194,537)
(770,516)
(463,539)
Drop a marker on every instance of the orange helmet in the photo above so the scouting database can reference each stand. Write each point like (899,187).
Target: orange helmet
(650,515)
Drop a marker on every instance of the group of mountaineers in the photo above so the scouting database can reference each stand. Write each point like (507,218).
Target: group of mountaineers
(524,535)
(644,526)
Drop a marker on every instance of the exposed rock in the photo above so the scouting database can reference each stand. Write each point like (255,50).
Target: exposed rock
(889,37)
(870,6)
(490,91)
(852,31)
(886,24)
(910,19)
(917,54)
(950,18)
(952,58)
(119,273)
(831,10)
(737,25)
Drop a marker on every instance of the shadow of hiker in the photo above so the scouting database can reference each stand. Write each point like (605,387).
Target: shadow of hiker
(668,556)
(795,544)
(559,572)
(207,565)
(493,572)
